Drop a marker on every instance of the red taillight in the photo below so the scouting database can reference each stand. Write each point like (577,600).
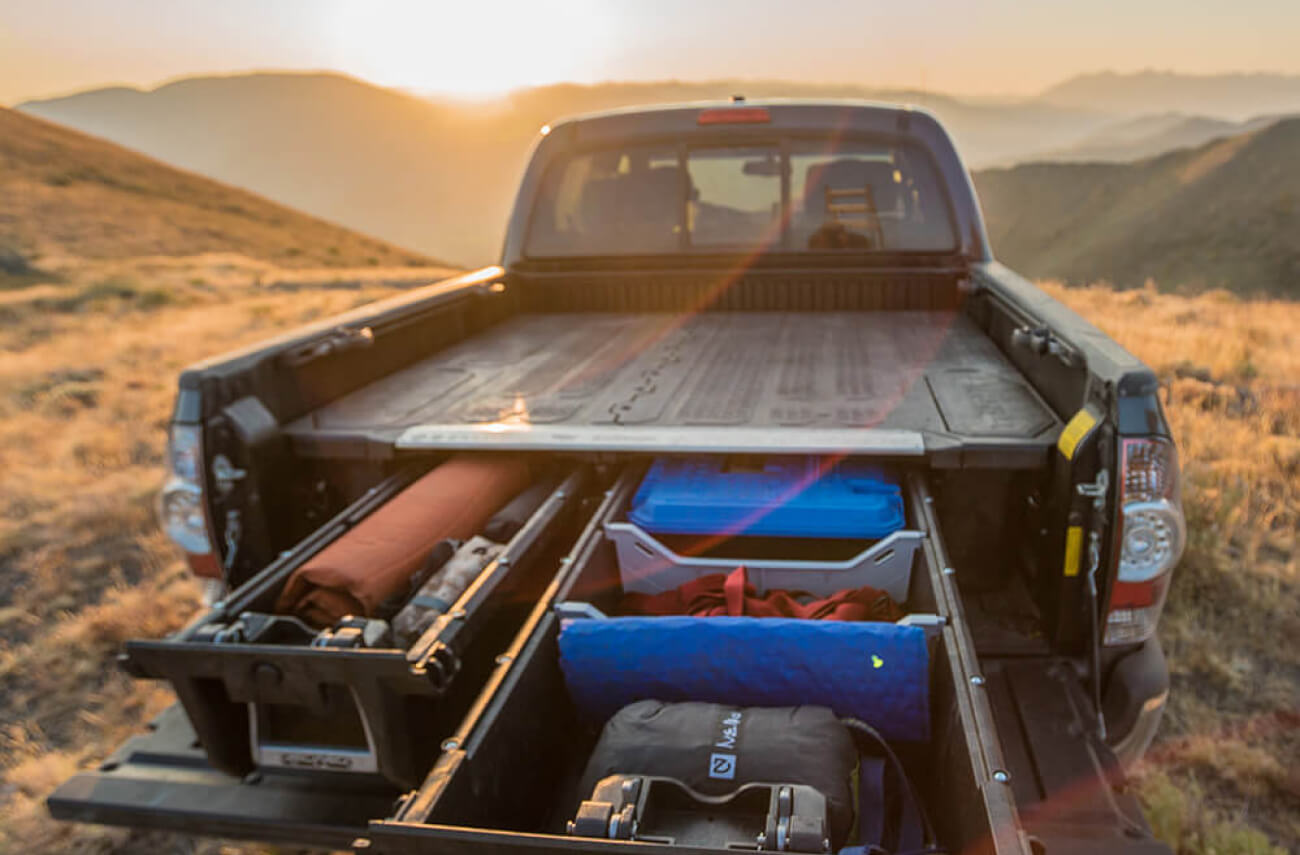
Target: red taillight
(735,116)
(204,566)
(1149,540)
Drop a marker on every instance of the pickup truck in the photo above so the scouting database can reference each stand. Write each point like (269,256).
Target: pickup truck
(737,280)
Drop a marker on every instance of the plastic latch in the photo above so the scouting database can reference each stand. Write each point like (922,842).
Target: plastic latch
(441,666)
(931,625)
(922,620)
(570,611)
(592,820)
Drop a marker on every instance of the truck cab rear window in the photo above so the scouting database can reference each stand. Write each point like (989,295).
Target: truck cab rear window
(734,196)
(801,196)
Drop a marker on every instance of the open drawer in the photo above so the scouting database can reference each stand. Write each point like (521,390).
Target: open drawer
(282,732)
(506,780)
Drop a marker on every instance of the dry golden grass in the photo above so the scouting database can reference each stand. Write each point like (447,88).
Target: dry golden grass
(1224,774)
(87,378)
(86,382)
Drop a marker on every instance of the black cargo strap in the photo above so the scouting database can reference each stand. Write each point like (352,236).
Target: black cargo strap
(870,745)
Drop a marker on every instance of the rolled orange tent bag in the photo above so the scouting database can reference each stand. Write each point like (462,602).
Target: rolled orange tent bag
(378,557)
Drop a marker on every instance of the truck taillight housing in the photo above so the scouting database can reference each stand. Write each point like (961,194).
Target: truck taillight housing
(1150,538)
(182,507)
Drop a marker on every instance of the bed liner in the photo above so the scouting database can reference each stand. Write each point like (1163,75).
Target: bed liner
(907,384)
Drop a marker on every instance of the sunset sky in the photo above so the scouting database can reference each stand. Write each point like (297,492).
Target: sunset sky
(483,47)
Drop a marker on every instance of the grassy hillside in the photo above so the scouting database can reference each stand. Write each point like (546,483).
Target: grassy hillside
(85,394)
(440,176)
(67,195)
(376,160)
(1225,215)
(115,272)
(1222,778)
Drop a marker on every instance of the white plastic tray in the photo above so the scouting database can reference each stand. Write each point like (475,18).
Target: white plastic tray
(649,567)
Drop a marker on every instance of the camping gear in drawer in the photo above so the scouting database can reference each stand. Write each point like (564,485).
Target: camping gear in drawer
(728,777)
(732,596)
(453,566)
(358,649)
(876,672)
(776,496)
(568,669)
(796,523)
(712,752)
(374,561)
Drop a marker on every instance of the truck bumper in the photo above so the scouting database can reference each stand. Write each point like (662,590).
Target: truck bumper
(1137,691)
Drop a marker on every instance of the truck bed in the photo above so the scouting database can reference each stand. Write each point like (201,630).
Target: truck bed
(906,383)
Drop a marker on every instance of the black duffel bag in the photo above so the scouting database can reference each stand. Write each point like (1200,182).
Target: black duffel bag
(714,749)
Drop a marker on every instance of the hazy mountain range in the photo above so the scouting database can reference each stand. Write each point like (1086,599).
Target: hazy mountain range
(63,193)
(1228,96)
(439,175)
(1150,135)
(1224,215)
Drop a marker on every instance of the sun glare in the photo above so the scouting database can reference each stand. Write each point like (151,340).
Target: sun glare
(473,48)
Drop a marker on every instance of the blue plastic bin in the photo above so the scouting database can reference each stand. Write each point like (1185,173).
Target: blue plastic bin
(785,497)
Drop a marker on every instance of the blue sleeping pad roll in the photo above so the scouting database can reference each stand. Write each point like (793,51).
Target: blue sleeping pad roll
(878,672)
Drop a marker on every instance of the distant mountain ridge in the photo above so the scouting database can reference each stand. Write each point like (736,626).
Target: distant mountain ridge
(1228,96)
(64,193)
(1224,215)
(372,159)
(1148,136)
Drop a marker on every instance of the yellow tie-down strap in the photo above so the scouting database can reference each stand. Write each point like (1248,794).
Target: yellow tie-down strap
(1073,549)
(1078,428)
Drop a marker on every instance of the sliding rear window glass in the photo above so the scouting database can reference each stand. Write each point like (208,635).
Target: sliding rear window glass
(733,197)
(866,196)
(616,201)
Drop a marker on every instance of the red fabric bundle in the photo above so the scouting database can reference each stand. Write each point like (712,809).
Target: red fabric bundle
(732,596)
(377,558)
